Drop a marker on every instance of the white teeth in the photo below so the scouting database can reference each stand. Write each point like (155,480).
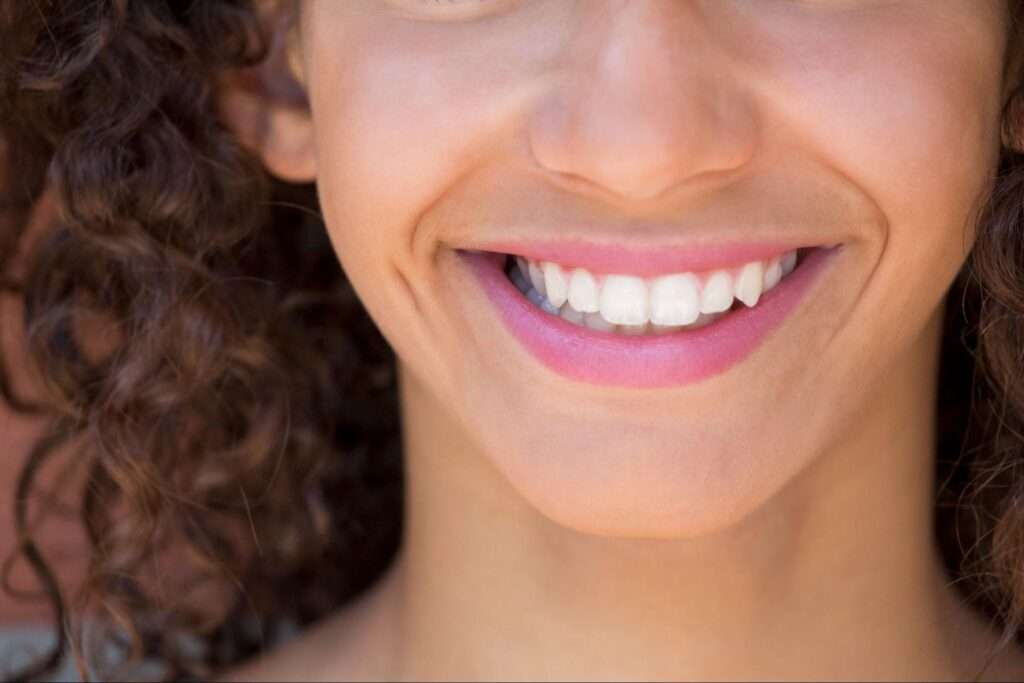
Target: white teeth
(549,307)
(583,292)
(748,284)
(717,294)
(556,284)
(595,322)
(675,299)
(632,305)
(788,262)
(571,314)
(633,330)
(772,274)
(624,300)
(705,319)
(536,277)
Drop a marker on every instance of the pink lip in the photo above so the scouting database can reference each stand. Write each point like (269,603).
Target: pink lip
(643,262)
(674,359)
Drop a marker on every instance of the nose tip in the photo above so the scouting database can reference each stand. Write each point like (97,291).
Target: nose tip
(645,104)
(631,155)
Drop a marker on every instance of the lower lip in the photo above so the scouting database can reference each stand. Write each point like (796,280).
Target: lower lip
(672,359)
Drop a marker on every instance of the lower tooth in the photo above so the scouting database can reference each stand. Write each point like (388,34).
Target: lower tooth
(633,329)
(595,322)
(705,319)
(541,301)
(571,314)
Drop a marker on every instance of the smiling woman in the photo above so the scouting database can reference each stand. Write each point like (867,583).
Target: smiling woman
(526,339)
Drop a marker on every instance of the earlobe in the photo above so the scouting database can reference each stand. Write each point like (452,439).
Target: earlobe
(267,109)
(289,152)
(280,133)
(1012,112)
(1012,125)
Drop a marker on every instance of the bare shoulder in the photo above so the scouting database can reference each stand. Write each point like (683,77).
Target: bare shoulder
(353,644)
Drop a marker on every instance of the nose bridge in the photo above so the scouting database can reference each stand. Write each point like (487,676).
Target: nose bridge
(646,102)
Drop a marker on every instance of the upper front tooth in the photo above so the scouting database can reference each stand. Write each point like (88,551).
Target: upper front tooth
(675,299)
(556,284)
(623,300)
(717,294)
(583,292)
(748,284)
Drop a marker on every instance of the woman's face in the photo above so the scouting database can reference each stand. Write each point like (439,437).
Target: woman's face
(655,125)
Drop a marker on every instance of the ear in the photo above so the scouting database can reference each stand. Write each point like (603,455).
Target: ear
(267,108)
(1012,124)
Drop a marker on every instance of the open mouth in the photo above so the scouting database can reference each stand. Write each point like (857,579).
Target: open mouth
(668,329)
(622,304)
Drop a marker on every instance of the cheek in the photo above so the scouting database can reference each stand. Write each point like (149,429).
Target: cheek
(903,102)
(408,117)
(392,136)
(400,108)
(406,109)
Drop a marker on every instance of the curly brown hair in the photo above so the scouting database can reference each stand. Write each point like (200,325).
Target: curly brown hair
(240,412)
(206,361)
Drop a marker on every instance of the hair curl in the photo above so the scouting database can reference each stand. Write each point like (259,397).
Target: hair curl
(241,412)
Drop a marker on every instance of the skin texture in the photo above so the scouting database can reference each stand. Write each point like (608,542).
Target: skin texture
(770,522)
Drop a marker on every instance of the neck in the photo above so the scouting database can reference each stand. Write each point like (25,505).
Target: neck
(839,564)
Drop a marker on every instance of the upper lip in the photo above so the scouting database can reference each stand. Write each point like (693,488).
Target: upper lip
(644,261)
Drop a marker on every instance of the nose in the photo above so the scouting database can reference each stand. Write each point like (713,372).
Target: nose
(646,101)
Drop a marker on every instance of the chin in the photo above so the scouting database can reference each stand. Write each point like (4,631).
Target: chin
(625,480)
